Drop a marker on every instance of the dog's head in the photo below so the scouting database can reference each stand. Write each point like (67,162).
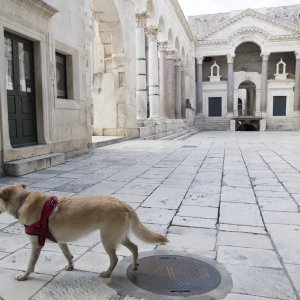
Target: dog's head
(10,197)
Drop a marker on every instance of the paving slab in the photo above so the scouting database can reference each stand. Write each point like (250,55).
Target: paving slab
(198,212)
(294,273)
(12,242)
(236,194)
(262,282)
(77,285)
(241,228)
(19,290)
(248,257)
(275,217)
(194,222)
(246,240)
(240,214)
(287,241)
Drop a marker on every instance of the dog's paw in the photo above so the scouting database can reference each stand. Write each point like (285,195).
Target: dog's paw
(69,268)
(21,277)
(105,274)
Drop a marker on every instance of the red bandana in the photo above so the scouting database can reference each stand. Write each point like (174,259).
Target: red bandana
(41,228)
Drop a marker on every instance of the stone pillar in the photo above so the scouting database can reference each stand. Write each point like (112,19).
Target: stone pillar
(141,82)
(178,88)
(183,93)
(264,83)
(230,84)
(154,104)
(170,112)
(297,84)
(163,91)
(199,85)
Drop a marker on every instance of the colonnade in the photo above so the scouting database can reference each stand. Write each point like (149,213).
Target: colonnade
(163,72)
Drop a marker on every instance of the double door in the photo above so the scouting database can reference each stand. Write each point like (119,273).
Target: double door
(20,90)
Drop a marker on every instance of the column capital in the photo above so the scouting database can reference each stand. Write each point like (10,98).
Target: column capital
(163,46)
(230,58)
(297,55)
(141,19)
(178,62)
(199,60)
(152,32)
(265,55)
(171,54)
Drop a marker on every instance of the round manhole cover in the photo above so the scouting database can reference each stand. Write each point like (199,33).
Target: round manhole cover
(174,275)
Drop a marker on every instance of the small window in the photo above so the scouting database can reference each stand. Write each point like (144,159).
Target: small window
(61,76)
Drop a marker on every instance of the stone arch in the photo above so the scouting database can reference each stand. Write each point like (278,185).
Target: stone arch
(177,45)
(109,67)
(249,97)
(170,37)
(151,9)
(183,55)
(162,34)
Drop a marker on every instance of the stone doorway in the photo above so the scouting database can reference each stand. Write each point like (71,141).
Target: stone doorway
(246,98)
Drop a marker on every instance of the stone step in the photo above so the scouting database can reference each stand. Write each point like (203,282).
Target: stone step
(189,134)
(101,141)
(28,165)
(174,135)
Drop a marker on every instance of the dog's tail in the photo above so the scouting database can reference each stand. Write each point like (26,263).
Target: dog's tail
(143,233)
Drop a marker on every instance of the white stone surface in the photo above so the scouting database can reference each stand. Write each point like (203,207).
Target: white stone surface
(294,273)
(194,222)
(241,228)
(11,243)
(240,214)
(10,289)
(248,257)
(198,212)
(247,240)
(288,218)
(235,194)
(262,282)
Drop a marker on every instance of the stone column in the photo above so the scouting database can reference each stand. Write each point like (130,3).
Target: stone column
(141,82)
(264,83)
(199,85)
(230,84)
(154,104)
(183,93)
(178,89)
(163,91)
(170,112)
(297,84)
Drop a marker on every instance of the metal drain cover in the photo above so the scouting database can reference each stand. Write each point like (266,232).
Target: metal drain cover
(174,275)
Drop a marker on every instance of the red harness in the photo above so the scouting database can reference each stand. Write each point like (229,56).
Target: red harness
(41,228)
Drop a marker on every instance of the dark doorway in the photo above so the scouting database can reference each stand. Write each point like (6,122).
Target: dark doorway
(215,107)
(20,91)
(279,105)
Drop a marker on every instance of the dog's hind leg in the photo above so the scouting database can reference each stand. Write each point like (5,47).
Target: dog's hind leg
(65,250)
(110,248)
(35,253)
(134,250)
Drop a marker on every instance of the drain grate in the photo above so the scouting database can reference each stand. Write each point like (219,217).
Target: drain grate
(174,275)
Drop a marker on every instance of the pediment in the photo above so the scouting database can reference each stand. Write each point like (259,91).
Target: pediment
(250,21)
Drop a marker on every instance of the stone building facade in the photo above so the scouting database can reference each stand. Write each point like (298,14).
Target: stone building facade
(73,69)
(248,68)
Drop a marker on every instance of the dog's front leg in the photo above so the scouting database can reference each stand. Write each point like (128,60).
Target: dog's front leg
(65,249)
(35,253)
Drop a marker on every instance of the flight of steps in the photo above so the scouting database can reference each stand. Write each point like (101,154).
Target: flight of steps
(291,123)
(212,123)
(182,135)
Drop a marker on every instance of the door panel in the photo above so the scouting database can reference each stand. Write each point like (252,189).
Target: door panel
(20,90)
(279,106)
(215,107)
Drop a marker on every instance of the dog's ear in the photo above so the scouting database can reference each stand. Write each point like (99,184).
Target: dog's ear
(5,192)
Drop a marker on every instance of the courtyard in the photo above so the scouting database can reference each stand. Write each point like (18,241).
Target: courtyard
(232,197)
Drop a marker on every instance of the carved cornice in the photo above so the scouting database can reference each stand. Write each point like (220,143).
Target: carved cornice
(249,30)
(39,7)
(254,14)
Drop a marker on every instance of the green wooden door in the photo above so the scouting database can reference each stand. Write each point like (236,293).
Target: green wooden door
(214,106)
(279,105)
(20,91)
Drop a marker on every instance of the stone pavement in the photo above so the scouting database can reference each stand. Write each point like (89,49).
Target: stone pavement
(230,196)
